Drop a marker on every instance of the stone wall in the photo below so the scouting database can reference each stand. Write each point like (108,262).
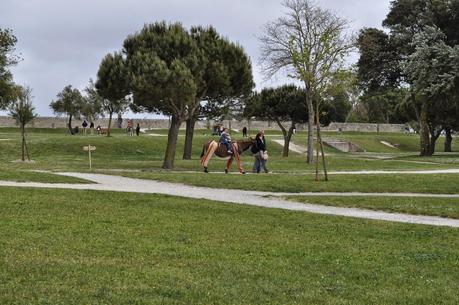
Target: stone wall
(61,122)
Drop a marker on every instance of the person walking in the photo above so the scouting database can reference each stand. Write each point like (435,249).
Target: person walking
(129,128)
(260,153)
(84,125)
(91,127)
(244,132)
(137,129)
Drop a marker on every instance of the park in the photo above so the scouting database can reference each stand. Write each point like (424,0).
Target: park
(352,197)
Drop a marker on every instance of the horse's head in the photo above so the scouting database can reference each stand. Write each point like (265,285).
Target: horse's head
(246,143)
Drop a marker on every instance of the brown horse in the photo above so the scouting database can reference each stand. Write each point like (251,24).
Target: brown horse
(213,148)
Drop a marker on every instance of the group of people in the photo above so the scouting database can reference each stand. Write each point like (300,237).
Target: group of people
(129,128)
(85,127)
(259,149)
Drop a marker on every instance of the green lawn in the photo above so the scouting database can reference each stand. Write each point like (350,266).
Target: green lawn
(443,207)
(406,183)
(56,150)
(87,247)
(28,176)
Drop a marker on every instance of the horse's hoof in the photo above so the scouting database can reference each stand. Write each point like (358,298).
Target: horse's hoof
(226,171)
(243,173)
(206,171)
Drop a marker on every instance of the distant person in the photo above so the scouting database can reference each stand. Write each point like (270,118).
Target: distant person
(137,129)
(84,125)
(225,139)
(98,129)
(260,153)
(294,129)
(244,132)
(129,127)
(91,127)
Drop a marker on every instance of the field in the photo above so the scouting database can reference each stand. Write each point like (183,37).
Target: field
(94,247)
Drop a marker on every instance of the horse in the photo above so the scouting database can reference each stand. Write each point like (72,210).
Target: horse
(213,148)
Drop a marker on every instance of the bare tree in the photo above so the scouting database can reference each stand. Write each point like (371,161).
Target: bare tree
(23,112)
(309,43)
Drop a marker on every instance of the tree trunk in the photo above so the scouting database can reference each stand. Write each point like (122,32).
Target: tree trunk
(448,139)
(190,123)
(70,125)
(310,153)
(287,137)
(424,130)
(287,140)
(433,140)
(23,144)
(172,143)
(109,123)
(321,146)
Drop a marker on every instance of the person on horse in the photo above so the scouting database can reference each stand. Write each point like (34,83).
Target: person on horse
(225,139)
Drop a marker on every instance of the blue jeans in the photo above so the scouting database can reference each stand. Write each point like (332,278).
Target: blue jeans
(259,163)
(227,144)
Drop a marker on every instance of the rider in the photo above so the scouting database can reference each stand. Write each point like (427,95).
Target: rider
(225,139)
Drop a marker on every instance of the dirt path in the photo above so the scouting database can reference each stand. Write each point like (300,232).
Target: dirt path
(261,199)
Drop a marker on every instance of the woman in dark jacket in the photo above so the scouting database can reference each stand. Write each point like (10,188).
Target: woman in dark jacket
(258,150)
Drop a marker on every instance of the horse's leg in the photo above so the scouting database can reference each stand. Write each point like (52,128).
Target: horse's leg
(206,158)
(228,165)
(238,159)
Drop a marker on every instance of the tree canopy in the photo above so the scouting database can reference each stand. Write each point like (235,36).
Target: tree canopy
(164,63)
(8,90)
(310,43)
(112,86)
(69,101)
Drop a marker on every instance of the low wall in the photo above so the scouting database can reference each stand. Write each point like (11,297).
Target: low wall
(61,122)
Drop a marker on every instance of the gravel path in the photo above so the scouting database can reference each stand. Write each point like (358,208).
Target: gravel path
(261,199)
(293,147)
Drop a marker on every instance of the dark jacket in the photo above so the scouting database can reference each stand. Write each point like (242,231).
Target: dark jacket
(260,144)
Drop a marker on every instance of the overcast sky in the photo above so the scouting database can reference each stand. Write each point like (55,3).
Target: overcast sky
(63,41)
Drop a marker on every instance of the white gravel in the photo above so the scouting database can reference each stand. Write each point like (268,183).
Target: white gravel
(123,184)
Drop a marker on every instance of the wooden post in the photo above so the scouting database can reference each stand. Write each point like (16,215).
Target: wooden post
(89,148)
(90,163)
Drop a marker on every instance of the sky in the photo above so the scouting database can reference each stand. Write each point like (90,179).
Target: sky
(62,42)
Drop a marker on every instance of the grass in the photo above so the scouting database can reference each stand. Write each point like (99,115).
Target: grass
(28,176)
(413,183)
(58,151)
(55,150)
(443,207)
(107,248)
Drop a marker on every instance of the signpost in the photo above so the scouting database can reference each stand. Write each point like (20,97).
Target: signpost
(89,148)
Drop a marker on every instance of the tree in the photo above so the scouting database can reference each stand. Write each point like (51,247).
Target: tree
(22,111)
(164,63)
(113,85)
(310,43)
(379,75)
(433,71)
(7,59)
(408,20)
(283,105)
(69,101)
(226,79)
(339,98)
(93,102)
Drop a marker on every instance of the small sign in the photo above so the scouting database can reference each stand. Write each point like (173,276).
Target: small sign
(89,148)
